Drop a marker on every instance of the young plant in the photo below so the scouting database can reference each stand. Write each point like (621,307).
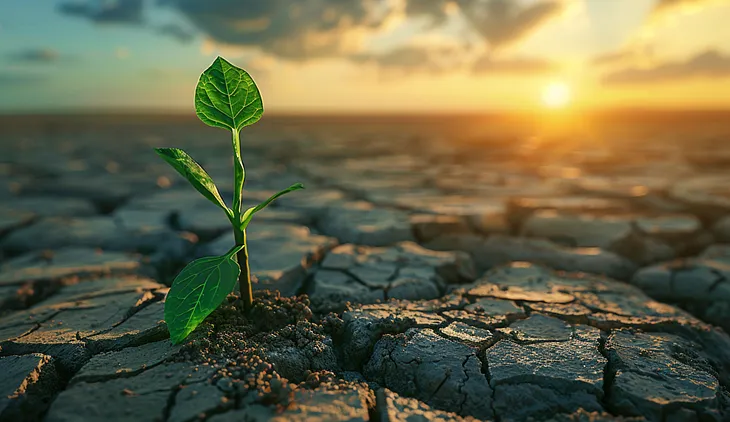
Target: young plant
(226,97)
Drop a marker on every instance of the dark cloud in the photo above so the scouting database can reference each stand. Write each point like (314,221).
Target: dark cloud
(411,59)
(517,66)
(433,9)
(709,64)
(177,32)
(293,29)
(503,22)
(35,55)
(308,29)
(302,29)
(106,11)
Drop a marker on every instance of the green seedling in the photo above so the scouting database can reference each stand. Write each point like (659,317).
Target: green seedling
(226,97)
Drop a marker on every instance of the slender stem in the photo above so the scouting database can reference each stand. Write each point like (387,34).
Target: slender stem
(239,175)
(244,279)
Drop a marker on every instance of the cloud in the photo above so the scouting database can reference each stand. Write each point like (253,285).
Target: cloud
(617,57)
(662,7)
(612,57)
(504,22)
(35,55)
(445,58)
(305,29)
(176,31)
(709,64)
(515,66)
(292,29)
(411,59)
(300,30)
(436,10)
(106,11)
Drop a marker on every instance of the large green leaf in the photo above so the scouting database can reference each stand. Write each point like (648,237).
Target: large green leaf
(196,175)
(197,291)
(248,215)
(227,97)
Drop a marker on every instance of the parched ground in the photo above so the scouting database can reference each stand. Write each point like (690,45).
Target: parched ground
(426,274)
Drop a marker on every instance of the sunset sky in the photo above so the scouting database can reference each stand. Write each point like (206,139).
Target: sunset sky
(368,55)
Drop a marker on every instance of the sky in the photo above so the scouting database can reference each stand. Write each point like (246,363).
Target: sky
(374,56)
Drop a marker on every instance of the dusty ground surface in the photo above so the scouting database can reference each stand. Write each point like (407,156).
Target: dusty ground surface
(439,278)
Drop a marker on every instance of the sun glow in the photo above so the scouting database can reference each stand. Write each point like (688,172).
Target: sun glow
(556,95)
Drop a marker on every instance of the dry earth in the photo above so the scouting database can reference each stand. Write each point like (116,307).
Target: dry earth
(439,278)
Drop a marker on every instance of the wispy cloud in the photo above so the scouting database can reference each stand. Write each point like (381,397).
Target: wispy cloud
(415,58)
(503,22)
(106,11)
(708,64)
(177,32)
(35,55)
(514,66)
(624,55)
(664,7)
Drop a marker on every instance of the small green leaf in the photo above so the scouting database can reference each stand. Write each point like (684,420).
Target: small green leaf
(197,291)
(248,215)
(196,175)
(227,97)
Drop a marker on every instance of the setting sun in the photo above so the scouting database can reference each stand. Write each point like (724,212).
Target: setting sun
(556,95)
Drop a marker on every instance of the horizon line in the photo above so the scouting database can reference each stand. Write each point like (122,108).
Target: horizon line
(132,111)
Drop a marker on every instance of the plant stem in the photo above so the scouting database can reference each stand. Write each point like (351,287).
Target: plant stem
(239,174)
(244,278)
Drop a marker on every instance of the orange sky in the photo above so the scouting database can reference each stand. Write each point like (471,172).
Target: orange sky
(370,55)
